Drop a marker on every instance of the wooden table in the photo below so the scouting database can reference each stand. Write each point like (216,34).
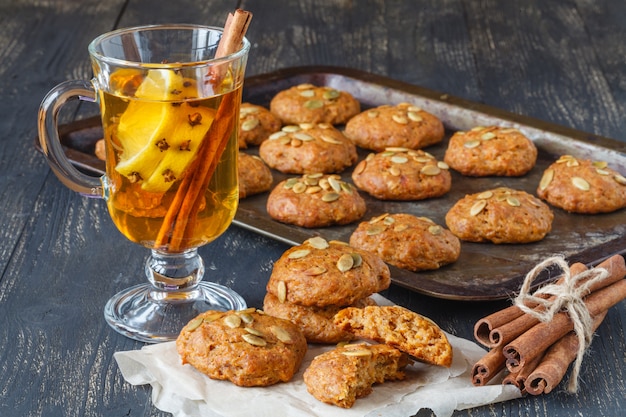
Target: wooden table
(61,257)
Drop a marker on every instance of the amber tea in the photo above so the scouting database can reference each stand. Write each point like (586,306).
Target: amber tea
(155,128)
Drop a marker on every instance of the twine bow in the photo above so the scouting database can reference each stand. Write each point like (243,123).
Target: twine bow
(566,296)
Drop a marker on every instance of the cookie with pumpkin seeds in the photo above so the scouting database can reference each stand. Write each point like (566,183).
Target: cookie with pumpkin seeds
(256,123)
(309,103)
(500,215)
(407,241)
(248,348)
(315,200)
(491,151)
(583,186)
(254,176)
(321,273)
(404,125)
(402,174)
(308,148)
(315,322)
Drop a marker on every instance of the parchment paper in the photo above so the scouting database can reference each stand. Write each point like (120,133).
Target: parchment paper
(184,392)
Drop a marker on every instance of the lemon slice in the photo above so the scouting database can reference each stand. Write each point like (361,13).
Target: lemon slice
(185,141)
(149,121)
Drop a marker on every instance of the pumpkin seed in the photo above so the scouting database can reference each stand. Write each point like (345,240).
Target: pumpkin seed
(395,171)
(477,129)
(277,135)
(372,114)
(389,220)
(304,86)
(430,170)
(357,352)
(330,197)
(281,291)
(471,144)
(307,93)
(600,164)
(233,321)
(331,94)
(330,139)
(478,207)
(378,218)
(512,201)
(290,183)
(345,262)
(194,324)
(249,124)
(334,183)
(254,340)
(246,110)
(307,126)
(374,230)
(357,258)
(580,183)
(414,108)
(313,104)
(318,242)
(246,317)
(281,334)
(602,171)
(303,136)
(299,188)
(400,228)
(252,330)
(485,195)
(299,254)
(422,159)
(313,189)
(442,165)
(399,119)
(315,271)
(296,143)
(546,179)
(396,149)
(488,136)
(399,159)
(620,179)
(572,163)
(435,230)
(414,116)
(291,128)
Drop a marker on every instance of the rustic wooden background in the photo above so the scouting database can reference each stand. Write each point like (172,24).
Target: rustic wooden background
(562,61)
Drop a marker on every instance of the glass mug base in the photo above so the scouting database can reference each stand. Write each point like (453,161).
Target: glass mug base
(147,314)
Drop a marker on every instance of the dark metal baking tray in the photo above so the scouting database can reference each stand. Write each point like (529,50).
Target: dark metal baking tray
(484,271)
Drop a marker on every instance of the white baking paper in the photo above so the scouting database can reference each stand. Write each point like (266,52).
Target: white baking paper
(185,392)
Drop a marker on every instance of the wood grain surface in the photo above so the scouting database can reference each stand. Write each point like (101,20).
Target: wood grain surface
(61,257)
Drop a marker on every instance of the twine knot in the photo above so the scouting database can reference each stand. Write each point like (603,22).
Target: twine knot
(565,296)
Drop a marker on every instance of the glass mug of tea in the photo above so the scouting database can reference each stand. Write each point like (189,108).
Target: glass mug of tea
(170,111)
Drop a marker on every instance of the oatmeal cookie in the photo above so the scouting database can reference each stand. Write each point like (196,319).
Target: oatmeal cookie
(315,322)
(491,151)
(320,273)
(403,125)
(306,103)
(500,215)
(256,123)
(407,241)
(344,374)
(583,186)
(402,174)
(308,148)
(400,328)
(315,200)
(254,176)
(245,347)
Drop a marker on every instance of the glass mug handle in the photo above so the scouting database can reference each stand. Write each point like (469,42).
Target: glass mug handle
(50,142)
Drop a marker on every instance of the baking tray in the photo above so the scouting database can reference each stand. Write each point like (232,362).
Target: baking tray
(484,271)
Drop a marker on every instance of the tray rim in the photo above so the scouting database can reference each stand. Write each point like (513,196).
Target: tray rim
(297,235)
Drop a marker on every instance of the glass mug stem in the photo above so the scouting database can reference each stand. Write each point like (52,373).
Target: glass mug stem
(170,112)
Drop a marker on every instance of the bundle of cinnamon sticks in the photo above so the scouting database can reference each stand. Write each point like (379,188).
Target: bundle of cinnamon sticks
(536,355)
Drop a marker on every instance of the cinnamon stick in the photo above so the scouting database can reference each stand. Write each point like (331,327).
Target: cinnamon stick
(554,364)
(503,326)
(180,217)
(488,367)
(520,376)
(536,340)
